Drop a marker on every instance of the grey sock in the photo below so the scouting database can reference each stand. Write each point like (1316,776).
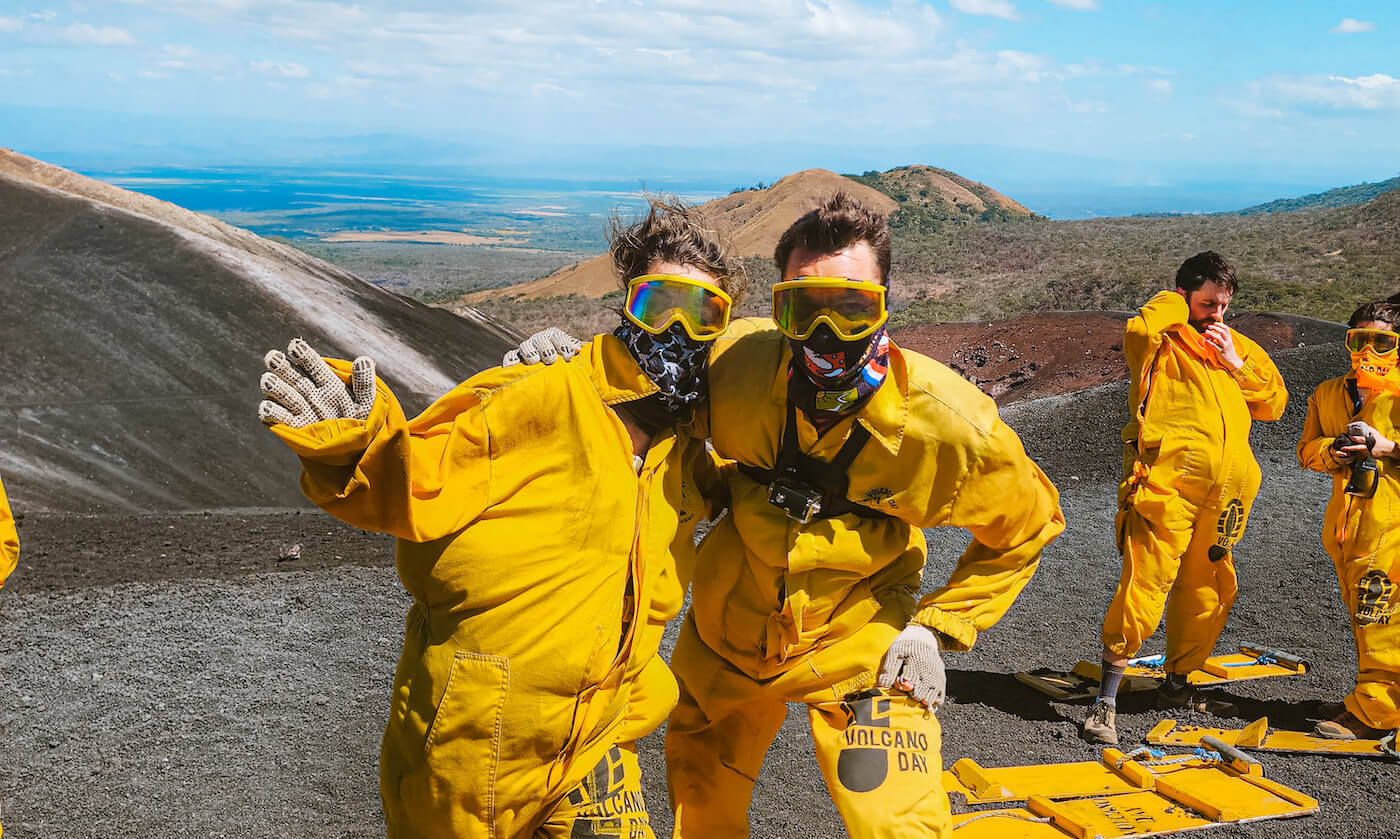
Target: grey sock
(1112,678)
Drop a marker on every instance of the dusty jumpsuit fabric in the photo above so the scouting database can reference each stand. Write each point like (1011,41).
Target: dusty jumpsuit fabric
(533,551)
(1189,481)
(9,539)
(784,612)
(1362,535)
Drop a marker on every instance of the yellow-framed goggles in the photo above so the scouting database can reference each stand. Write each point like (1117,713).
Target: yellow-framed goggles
(852,308)
(1381,341)
(655,301)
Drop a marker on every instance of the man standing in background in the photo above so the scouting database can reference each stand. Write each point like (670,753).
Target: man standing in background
(1189,479)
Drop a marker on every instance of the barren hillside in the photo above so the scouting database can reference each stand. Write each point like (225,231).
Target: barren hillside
(134,333)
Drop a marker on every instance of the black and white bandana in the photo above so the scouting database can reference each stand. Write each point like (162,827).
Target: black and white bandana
(674,361)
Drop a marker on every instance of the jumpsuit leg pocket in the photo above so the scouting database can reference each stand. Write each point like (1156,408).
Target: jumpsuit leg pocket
(464,744)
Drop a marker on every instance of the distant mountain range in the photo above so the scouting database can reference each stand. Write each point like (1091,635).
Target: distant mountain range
(1340,197)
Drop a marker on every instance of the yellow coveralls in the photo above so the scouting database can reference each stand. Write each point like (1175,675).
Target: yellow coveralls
(785,612)
(1189,481)
(9,539)
(1362,535)
(533,552)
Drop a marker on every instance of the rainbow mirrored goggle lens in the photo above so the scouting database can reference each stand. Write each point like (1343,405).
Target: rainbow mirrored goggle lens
(852,308)
(1382,341)
(655,301)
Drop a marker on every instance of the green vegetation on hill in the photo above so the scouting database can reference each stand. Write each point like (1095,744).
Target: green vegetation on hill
(926,209)
(1340,197)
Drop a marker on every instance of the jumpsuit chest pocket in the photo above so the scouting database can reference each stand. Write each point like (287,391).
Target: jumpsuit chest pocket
(464,742)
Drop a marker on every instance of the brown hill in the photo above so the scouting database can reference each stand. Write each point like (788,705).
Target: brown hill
(754,218)
(947,193)
(133,341)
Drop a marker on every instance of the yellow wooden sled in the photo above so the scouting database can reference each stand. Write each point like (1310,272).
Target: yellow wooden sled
(1258,736)
(1122,795)
(1146,673)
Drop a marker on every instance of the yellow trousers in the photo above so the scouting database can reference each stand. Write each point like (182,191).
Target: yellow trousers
(1372,594)
(605,805)
(1160,574)
(879,751)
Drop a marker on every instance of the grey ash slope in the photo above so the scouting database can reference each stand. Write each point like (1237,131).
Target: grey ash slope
(133,336)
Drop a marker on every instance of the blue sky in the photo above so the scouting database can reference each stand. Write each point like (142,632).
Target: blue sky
(1102,92)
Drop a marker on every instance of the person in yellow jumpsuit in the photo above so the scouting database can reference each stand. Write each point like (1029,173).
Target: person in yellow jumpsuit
(1352,419)
(542,515)
(825,611)
(1189,479)
(9,539)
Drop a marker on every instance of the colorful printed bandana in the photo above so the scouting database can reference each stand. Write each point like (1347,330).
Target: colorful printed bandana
(674,361)
(839,380)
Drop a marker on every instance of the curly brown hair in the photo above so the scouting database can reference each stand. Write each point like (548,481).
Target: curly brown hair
(1380,310)
(836,224)
(675,231)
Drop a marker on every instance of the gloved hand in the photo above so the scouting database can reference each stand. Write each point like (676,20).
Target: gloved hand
(301,388)
(1375,442)
(543,347)
(914,665)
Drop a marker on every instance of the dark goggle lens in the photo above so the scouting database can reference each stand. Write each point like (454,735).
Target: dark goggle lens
(851,310)
(1381,342)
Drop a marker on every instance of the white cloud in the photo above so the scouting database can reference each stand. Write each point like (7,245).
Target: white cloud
(45,15)
(1080,5)
(1351,25)
(1376,92)
(10,24)
(1090,107)
(1160,87)
(991,8)
(86,33)
(284,69)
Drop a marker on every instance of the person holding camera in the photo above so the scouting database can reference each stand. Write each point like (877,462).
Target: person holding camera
(1349,434)
(1189,480)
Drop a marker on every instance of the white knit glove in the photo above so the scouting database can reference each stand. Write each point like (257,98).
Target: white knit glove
(301,388)
(913,665)
(543,347)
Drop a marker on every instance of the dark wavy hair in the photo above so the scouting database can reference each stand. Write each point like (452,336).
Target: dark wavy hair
(1379,310)
(1204,267)
(839,222)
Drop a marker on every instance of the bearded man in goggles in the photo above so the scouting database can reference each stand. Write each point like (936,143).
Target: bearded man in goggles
(1349,433)
(544,521)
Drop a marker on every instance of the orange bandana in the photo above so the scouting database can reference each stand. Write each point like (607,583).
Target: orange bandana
(1376,372)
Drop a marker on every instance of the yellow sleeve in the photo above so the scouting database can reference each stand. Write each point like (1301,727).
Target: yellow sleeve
(1166,310)
(1315,448)
(1013,512)
(1260,380)
(418,480)
(9,539)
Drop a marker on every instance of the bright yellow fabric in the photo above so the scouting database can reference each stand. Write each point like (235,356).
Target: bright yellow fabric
(938,455)
(534,554)
(879,752)
(1362,535)
(9,539)
(784,612)
(1189,480)
(606,804)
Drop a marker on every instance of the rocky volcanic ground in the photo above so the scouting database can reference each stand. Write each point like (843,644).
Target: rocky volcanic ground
(181,675)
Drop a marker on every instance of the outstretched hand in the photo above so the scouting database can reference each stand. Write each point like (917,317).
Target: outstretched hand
(914,665)
(301,388)
(543,347)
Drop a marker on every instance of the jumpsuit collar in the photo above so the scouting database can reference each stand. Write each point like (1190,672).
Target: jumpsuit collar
(615,373)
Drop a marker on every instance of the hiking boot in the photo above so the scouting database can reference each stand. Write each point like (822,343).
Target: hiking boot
(1101,724)
(1171,696)
(1347,726)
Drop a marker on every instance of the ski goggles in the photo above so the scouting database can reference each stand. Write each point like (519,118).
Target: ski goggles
(1381,341)
(853,309)
(655,301)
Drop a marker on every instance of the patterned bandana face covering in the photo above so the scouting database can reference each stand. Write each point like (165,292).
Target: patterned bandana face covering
(674,361)
(834,376)
(1375,371)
